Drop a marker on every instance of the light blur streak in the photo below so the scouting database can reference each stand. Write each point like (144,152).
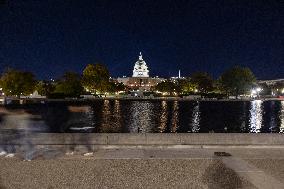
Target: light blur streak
(256,113)
(20,125)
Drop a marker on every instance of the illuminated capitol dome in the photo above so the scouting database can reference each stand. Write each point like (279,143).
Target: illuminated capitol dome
(140,80)
(140,68)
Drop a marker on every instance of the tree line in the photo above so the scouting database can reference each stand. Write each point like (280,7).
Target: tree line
(234,81)
(95,79)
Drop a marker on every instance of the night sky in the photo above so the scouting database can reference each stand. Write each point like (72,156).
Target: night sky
(49,37)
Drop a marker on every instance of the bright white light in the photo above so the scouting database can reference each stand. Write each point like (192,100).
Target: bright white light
(253,91)
(258,89)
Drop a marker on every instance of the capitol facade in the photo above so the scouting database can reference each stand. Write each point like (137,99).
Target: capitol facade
(140,80)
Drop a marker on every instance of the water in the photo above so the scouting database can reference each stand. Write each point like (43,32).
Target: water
(124,116)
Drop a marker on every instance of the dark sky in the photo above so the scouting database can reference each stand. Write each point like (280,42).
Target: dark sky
(49,37)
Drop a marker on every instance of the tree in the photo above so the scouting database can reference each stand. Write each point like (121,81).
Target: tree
(203,81)
(15,82)
(69,85)
(186,86)
(96,78)
(45,88)
(168,87)
(237,80)
(116,87)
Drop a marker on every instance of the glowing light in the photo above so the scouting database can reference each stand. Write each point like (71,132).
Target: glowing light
(258,89)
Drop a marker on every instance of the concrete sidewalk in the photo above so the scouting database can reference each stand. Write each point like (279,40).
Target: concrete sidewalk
(148,168)
(148,161)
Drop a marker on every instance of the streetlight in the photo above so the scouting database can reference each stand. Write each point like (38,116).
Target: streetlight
(252,93)
(255,92)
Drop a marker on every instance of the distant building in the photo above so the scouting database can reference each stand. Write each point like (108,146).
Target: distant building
(140,68)
(275,86)
(271,82)
(140,79)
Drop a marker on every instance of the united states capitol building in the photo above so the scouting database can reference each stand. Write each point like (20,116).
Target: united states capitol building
(140,80)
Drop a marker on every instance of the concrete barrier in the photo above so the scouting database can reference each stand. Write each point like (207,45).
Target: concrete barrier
(159,139)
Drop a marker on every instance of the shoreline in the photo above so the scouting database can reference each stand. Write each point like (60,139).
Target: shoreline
(89,100)
(155,99)
(165,99)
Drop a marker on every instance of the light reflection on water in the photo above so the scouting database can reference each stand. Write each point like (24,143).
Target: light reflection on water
(195,119)
(175,117)
(106,117)
(167,116)
(110,117)
(282,118)
(243,118)
(141,117)
(255,121)
(161,116)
